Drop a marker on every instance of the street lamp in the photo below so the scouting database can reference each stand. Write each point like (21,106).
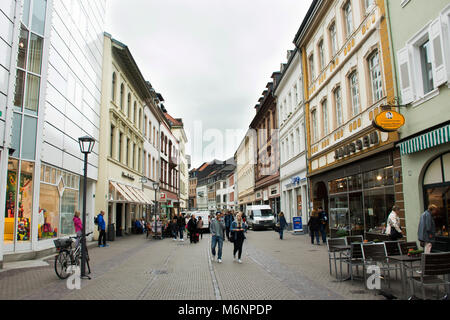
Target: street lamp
(86,146)
(156,187)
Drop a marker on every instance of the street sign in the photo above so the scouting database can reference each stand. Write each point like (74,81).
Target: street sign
(298,225)
(162,197)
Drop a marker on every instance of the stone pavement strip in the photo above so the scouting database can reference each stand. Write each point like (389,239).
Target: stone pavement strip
(137,268)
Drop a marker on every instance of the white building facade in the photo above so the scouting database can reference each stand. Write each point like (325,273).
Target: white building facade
(293,166)
(52,96)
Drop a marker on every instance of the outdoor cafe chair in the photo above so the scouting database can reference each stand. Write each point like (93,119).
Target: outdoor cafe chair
(375,254)
(355,259)
(393,249)
(406,246)
(433,267)
(331,243)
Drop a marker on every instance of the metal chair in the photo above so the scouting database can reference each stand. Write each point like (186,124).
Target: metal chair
(355,259)
(393,249)
(433,265)
(331,242)
(406,246)
(375,254)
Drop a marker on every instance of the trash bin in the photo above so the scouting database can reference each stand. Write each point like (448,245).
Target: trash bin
(111,232)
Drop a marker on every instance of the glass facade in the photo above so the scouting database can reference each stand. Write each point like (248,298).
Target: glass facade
(361,203)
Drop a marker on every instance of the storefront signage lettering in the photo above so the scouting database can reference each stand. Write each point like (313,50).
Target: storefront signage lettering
(358,145)
(127,175)
(389,121)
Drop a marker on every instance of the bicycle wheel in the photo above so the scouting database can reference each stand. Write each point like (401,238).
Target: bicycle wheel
(62,262)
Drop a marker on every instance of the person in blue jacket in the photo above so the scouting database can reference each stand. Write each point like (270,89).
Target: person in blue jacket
(283,224)
(228,221)
(102,230)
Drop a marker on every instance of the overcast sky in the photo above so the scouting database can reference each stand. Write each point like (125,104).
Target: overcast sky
(210,59)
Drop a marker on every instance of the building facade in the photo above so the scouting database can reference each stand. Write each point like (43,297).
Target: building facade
(354,169)
(267,171)
(193,189)
(232,203)
(291,121)
(421,49)
(120,191)
(245,158)
(50,96)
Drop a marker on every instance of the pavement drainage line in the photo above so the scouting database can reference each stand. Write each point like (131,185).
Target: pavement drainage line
(146,289)
(213,275)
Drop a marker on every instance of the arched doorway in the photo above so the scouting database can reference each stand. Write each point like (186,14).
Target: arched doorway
(320,196)
(436,190)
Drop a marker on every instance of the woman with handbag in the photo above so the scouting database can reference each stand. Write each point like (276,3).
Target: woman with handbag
(393,229)
(238,228)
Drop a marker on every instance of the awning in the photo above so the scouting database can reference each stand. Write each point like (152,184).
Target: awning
(425,141)
(131,194)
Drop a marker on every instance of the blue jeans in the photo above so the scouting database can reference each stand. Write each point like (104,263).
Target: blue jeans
(216,240)
(323,232)
(180,230)
(316,234)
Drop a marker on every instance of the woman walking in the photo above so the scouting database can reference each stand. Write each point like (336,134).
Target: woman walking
(192,228)
(393,229)
(314,226)
(200,226)
(238,228)
(283,224)
(78,226)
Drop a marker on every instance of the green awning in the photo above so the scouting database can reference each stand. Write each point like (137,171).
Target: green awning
(425,141)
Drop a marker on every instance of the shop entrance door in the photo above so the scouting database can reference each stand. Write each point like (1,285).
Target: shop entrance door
(119,207)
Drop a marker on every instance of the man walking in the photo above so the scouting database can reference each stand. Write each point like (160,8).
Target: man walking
(323,217)
(228,221)
(181,225)
(101,229)
(217,232)
(427,228)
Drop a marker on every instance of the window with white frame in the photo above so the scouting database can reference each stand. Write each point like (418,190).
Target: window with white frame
(292,146)
(312,75)
(354,92)
(424,61)
(321,55)
(348,18)
(375,76)
(325,117)
(296,95)
(297,140)
(333,37)
(338,104)
(315,131)
(369,4)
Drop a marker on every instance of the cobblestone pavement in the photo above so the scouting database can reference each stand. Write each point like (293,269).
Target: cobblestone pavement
(137,268)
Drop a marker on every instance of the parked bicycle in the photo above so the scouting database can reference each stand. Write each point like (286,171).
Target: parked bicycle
(69,256)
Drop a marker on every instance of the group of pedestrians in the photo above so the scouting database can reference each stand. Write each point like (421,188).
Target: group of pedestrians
(233,228)
(318,225)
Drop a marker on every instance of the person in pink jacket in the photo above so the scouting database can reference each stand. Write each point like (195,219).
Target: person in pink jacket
(78,226)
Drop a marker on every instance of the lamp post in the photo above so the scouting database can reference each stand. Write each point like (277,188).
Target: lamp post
(86,146)
(156,187)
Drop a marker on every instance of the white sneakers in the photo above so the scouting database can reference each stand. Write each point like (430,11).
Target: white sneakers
(182,240)
(240,261)
(219,260)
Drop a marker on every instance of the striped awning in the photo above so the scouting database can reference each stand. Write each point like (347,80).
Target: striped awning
(131,194)
(425,141)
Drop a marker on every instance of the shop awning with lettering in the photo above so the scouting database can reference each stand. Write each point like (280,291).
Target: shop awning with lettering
(131,194)
(425,141)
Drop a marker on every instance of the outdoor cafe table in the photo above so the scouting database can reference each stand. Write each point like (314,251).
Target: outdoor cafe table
(340,249)
(404,259)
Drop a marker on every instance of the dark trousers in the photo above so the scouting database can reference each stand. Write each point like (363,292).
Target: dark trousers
(101,237)
(180,230)
(200,231)
(192,235)
(281,233)
(323,232)
(227,231)
(316,234)
(238,247)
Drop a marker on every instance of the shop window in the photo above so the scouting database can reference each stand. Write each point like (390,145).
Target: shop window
(48,215)
(11,197)
(69,204)
(16,133)
(377,206)
(355,183)
(25,203)
(338,186)
(379,178)
(29,138)
(339,223)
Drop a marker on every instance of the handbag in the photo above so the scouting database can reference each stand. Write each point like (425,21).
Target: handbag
(395,234)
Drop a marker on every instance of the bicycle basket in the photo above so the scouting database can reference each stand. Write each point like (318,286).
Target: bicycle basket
(62,243)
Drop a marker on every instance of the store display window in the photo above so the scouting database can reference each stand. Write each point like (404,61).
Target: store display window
(25,203)
(11,198)
(48,215)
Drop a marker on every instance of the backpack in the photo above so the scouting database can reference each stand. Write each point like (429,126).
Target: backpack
(96,220)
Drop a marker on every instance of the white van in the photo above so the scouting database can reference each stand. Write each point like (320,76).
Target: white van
(204,215)
(260,217)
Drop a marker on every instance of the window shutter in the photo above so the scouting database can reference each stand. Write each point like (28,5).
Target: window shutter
(437,55)
(406,85)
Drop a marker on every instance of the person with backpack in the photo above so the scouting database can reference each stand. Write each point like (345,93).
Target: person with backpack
(102,229)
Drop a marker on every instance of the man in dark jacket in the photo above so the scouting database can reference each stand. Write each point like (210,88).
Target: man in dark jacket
(323,217)
(314,226)
(192,228)
(427,228)
(181,225)
(228,221)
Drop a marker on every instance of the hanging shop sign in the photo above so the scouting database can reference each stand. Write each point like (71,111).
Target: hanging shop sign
(389,121)
(357,146)
(162,197)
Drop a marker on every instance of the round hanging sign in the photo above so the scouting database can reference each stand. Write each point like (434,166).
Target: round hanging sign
(389,121)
